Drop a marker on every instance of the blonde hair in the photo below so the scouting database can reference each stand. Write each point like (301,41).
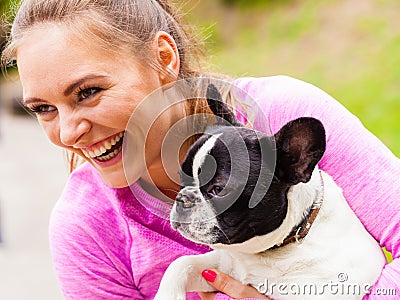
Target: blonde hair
(114,24)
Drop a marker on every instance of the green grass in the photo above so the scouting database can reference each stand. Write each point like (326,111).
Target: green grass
(348,50)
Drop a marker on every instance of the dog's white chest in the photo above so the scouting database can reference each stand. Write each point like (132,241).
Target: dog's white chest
(337,259)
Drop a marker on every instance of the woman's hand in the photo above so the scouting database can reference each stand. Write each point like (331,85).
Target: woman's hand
(229,286)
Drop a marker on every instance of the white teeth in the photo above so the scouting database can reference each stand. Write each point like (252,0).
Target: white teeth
(104,158)
(104,148)
(111,155)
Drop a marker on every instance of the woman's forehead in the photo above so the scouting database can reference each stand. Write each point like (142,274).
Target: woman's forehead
(60,39)
(52,53)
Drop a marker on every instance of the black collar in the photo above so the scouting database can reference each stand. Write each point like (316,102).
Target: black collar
(300,231)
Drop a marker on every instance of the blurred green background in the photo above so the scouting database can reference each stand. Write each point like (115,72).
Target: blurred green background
(349,48)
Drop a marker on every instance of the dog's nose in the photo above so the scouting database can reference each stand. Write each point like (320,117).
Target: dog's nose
(185,201)
(187,197)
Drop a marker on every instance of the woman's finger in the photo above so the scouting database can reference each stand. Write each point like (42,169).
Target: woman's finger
(230,286)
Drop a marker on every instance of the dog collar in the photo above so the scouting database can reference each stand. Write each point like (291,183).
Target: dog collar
(300,231)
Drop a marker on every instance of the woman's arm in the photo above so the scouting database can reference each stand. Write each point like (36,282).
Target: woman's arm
(361,165)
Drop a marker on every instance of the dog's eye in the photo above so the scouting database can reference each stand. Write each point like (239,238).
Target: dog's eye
(217,189)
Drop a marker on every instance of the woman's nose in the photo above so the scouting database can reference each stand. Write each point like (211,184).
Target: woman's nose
(72,128)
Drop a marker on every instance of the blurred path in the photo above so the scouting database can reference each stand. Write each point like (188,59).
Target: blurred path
(32,175)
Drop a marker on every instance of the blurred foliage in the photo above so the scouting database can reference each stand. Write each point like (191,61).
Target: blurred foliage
(350,49)
(4,7)
(4,4)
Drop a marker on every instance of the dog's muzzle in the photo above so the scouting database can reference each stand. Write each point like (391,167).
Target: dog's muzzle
(185,204)
(188,197)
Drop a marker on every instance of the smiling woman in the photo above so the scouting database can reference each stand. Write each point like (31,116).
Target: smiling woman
(73,96)
(90,68)
(108,26)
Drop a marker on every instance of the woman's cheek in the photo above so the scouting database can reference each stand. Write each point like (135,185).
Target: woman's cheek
(52,131)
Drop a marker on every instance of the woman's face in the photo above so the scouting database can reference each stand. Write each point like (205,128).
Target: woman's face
(83,95)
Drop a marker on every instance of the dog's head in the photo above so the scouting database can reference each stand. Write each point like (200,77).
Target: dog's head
(234,180)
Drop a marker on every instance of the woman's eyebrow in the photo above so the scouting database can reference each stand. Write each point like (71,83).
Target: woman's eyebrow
(70,88)
(26,101)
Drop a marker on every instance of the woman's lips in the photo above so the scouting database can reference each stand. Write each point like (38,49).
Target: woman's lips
(109,161)
(107,149)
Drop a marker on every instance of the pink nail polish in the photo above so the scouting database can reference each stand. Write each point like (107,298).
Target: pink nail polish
(209,275)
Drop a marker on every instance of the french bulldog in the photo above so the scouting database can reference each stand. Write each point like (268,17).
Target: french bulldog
(273,219)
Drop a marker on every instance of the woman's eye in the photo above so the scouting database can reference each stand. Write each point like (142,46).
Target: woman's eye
(87,93)
(41,109)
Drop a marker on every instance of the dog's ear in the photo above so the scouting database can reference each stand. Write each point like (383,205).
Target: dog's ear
(300,145)
(219,107)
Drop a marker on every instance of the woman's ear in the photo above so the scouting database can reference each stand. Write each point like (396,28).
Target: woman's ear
(167,57)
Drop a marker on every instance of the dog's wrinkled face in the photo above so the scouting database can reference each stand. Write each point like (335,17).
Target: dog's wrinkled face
(234,180)
(218,181)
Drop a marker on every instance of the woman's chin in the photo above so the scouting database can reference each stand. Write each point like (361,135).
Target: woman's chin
(114,177)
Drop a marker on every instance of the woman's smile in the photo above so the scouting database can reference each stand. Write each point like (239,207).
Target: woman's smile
(85,100)
(105,150)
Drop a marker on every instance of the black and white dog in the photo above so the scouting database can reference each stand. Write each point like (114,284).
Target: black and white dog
(274,220)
